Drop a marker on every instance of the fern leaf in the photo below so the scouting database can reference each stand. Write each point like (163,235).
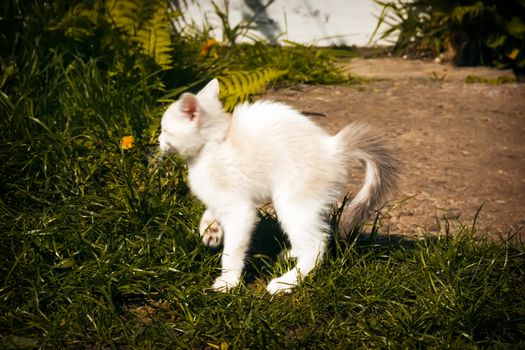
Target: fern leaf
(237,86)
(472,11)
(155,37)
(146,23)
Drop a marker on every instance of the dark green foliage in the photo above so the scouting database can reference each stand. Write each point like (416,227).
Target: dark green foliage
(303,64)
(470,32)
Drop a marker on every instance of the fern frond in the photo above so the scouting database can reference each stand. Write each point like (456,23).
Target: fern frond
(472,11)
(156,37)
(147,23)
(238,86)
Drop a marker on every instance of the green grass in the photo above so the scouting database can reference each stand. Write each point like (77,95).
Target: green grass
(99,247)
(122,281)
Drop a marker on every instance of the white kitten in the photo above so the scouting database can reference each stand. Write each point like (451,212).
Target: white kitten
(268,152)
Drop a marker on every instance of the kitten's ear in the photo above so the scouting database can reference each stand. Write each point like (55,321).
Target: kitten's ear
(211,89)
(189,106)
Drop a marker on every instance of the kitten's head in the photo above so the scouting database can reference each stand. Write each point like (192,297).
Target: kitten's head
(192,121)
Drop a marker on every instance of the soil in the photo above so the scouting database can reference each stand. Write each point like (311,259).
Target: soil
(462,145)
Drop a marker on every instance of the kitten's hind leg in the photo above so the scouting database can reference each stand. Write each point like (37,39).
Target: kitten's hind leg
(210,230)
(306,231)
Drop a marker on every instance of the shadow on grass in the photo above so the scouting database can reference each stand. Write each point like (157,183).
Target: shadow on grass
(269,242)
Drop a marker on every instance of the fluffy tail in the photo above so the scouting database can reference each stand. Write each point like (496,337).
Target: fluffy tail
(362,143)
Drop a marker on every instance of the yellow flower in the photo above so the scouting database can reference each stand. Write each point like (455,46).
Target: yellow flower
(207,46)
(127,142)
(513,54)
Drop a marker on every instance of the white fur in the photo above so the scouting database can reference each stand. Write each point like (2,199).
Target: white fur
(265,152)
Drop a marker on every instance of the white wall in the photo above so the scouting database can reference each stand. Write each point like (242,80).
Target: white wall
(318,22)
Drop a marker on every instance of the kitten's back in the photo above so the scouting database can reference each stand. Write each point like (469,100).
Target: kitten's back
(274,140)
(275,123)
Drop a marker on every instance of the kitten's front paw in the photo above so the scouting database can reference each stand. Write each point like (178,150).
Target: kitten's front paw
(280,285)
(211,232)
(225,283)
